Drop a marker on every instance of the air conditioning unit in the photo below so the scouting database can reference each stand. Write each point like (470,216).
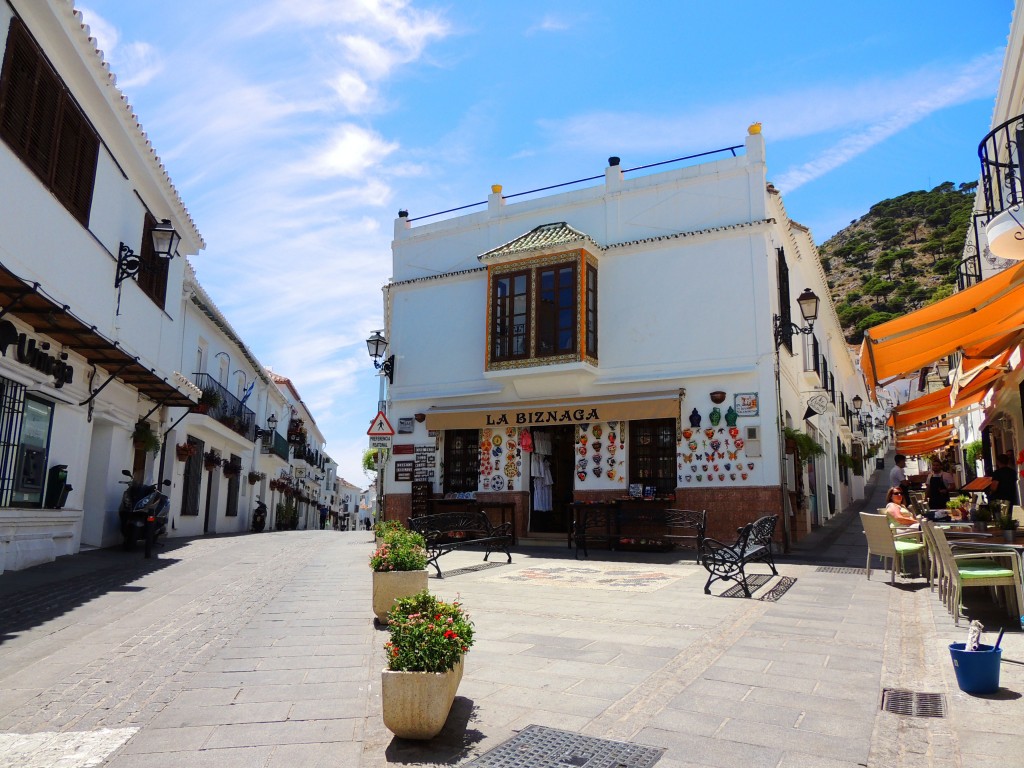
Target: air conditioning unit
(752,441)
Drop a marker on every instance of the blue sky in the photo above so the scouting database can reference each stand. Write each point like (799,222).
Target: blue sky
(295,129)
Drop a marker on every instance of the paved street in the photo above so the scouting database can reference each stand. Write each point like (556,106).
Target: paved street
(260,650)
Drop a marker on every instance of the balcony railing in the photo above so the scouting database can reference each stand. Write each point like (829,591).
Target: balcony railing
(229,411)
(278,445)
(1001,154)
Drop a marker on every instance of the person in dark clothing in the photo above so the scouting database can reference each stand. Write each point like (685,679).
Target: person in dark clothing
(1004,487)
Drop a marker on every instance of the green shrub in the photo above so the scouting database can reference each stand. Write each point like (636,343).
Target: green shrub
(401,551)
(427,634)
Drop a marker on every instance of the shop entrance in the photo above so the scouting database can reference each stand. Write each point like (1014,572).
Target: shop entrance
(553,465)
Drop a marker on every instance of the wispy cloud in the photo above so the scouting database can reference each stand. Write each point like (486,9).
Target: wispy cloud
(876,108)
(550,23)
(976,79)
(135,63)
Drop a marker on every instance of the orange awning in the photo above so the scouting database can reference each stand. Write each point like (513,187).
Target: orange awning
(941,404)
(986,313)
(917,443)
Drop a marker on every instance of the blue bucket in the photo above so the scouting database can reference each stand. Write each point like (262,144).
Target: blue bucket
(976,671)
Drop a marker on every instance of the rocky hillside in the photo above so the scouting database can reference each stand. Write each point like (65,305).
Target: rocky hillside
(899,256)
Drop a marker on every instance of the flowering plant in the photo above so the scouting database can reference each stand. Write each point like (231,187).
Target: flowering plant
(385,528)
(427,634)
(401,551)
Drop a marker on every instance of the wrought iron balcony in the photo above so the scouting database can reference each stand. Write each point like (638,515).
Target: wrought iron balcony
(229,411)
(277,446)
(1002,155)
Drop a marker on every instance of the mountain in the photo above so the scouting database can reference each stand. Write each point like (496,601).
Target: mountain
(901,255)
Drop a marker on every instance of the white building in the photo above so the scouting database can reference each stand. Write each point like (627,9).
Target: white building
(83,361)
(628,327)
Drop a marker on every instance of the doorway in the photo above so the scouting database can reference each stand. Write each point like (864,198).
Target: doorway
(554,460)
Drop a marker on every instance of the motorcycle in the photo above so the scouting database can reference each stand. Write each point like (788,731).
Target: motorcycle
(144,513)
(259,516)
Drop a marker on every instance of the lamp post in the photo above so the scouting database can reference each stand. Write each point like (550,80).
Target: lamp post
(783,329)
(268,433)
(377,345)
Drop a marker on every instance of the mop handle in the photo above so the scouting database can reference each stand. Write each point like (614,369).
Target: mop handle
(998,640)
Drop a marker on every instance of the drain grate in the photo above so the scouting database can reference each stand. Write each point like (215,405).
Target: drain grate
(839,569)
(537,746)
(913,703)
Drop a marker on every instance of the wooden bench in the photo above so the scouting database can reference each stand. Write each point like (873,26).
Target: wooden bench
(613,524)
(728,561)
(448,531)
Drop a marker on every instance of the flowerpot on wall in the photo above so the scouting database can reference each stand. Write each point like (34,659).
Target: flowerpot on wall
(388,586)
(416,704)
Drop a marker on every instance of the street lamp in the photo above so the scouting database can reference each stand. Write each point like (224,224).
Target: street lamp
(857,402)
(376,345)
(808,302)
(264,434)
(165,246)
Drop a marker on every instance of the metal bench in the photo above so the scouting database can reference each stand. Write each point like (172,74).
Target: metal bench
(728,561)
(448,531)
(612,524)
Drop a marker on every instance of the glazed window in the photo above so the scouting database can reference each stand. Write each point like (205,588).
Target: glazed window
(43,126)
(461,460)
(25,426)
(652,454)
(544,313)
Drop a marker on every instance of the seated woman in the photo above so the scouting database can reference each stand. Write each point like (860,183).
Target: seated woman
(896,511)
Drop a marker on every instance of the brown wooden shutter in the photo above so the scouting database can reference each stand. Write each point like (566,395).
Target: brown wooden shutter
(152,269)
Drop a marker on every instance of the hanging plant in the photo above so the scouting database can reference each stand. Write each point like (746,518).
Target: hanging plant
(210,398)
(211,459)
(232,469)
(185,451)
(802,445)
(144,437)
(255,477)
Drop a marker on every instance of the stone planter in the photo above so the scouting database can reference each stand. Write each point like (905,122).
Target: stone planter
(416,704)
(388,586)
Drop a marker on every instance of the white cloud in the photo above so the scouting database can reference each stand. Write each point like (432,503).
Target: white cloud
(351,151)
(356,96)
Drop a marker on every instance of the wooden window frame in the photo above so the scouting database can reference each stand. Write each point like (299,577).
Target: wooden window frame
(785,308)
(541,327)
(653,462)
(590,298)
(463,481)
(507,340)
(44,126)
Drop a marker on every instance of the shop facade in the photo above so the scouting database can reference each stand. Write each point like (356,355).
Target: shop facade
(610,343)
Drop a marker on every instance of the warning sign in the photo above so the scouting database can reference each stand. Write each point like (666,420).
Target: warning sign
(380,426)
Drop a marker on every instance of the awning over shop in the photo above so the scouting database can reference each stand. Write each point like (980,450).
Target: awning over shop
(917,443)
(545,413)
(992,310)
(943,403)
(29,303)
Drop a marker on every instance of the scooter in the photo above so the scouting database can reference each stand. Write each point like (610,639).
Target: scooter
(144,513)
(259,516)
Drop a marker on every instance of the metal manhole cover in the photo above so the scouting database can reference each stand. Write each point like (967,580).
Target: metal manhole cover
(839,569)
(537,746)
(913,703)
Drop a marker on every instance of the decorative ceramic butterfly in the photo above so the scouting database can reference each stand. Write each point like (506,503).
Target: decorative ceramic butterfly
(687,457)
(733,455)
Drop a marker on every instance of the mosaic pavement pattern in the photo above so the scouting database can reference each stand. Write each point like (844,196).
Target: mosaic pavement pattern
(593,576)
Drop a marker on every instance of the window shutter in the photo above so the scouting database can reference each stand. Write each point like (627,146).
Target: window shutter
(152,269)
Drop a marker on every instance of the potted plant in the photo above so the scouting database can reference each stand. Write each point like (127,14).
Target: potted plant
(145,438)
(232,469)
(255,477)
(429,639)
(1008,526)
(801,445)
(383,528)
(287,516)
(210,398)
(399,570)
(184,451)
(211,459)
(982,516)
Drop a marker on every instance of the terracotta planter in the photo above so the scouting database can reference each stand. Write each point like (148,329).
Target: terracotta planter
(388,586)
(416,704)
(182,455)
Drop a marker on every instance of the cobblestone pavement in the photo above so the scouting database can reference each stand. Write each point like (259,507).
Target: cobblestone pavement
(260,650)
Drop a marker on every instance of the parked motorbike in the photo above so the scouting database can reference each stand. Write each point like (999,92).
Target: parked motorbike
(144,513)
(259,516)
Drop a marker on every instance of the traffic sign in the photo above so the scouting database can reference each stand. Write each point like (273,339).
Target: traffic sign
(380,426)
(380,441)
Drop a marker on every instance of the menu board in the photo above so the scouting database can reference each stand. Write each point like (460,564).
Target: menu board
(425,461)
(422,491)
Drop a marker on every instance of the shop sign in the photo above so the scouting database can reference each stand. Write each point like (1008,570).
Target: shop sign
(548,413)
(745,403)
(526,418)
(404,470)
(27,352)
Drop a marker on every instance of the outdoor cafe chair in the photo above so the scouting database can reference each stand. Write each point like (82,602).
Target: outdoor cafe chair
(995,568)
(889,545)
